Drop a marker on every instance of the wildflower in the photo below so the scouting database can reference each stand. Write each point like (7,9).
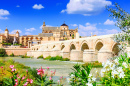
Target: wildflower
(23,77)
(31,81)
(116,61)
(11,66)
(50,78)
(13,69)
(25,84)
(121,75)
(125,64)
(89,84)
(120,70)
(47,67)
(1,67)
(90,75)
(93,79)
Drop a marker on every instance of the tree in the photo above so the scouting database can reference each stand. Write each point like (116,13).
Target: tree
(123,22)
(122,17)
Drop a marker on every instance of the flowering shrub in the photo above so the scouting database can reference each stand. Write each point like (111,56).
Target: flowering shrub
(82,76)
(116,72)
(44,78)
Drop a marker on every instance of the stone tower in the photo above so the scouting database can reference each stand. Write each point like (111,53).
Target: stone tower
(44,25)
(17,34)
(6,33)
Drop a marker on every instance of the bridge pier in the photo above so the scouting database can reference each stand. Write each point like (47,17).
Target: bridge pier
(76,55)
(65,54)
(103,55)
(46,53)
(55,53)
(89,56)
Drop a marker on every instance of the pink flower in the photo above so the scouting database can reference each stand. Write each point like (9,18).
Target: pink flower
(16,83)
(61,77)
(16,80)
(47,67)
(38,73)
(1,67)
(51,71)
(23,77)
(13,70)
(25,84)
(27,80)
(11,66)
(50,78)
(58,81)
(31,81)
(26,70)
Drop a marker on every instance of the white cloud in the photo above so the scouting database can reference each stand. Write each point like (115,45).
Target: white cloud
(86,7)
(27,33)
(74,25)
(109,22)
(88,28)
(36,6)
(41,26)
(17,6)
(1,31)
(4,18)
(30,30)
(4,12)
(14,31)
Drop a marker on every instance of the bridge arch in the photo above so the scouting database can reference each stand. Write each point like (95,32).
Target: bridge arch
(115,49)
(72,46)
(84,45)
(62,46)
(98,45)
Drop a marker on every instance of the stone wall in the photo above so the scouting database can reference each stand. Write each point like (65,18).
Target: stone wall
(17,51)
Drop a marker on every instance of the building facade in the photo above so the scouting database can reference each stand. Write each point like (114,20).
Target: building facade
(8,38)
(49,34)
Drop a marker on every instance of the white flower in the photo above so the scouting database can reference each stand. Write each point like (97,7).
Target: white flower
(72,76)
(89,80)
(120,70)
(102,72)
(94,79)
(68,79)
(89,84)
(122,75)
(116,61)
(125,64)
(90,75)
(114,72)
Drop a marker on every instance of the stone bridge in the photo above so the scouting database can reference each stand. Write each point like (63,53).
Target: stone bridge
(95,48)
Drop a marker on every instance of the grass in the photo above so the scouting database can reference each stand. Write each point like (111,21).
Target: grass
(56,58)
(95,64)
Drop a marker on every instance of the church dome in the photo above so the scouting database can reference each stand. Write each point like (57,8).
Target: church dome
(17,32)
(64,24)
(6,29)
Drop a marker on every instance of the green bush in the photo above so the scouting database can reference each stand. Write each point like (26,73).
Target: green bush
(65,59)
(47,58)
(2,52)
(25,56)
(40,57)
(94,64)
(12,55)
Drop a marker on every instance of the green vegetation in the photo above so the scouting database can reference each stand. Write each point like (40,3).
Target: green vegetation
(56,58)
(40,57)
(2,52)
(95,64)
(25,56)
(73,36)
(12,55)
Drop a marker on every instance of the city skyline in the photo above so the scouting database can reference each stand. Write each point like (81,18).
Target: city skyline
(27,17)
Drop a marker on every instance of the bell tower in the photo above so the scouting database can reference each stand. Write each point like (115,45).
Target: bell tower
(43,26)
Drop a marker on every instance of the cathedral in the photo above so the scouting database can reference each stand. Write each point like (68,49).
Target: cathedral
(49,34)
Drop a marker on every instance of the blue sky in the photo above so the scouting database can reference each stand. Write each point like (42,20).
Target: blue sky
(27,16)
